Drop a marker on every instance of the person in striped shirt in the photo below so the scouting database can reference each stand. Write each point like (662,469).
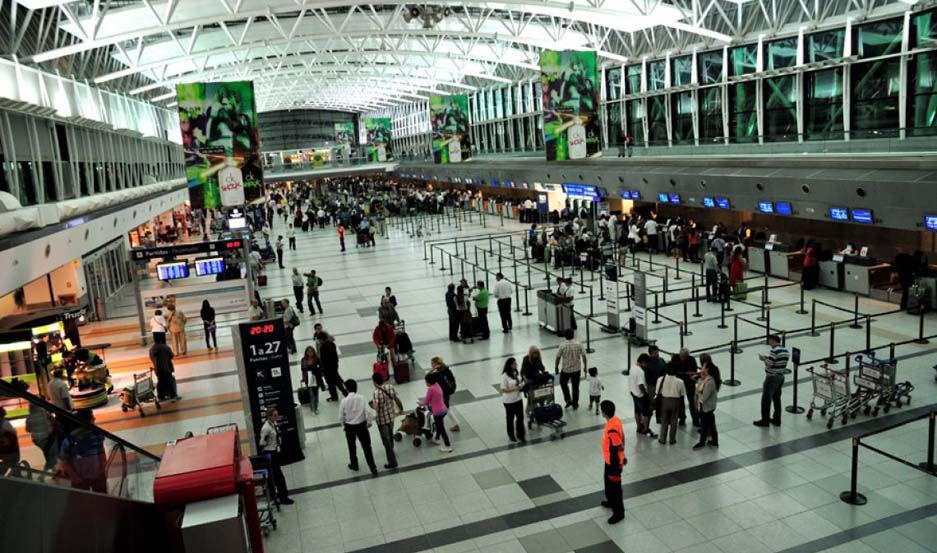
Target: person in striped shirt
(775,369)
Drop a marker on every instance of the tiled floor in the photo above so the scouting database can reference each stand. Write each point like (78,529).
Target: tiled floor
(773,489)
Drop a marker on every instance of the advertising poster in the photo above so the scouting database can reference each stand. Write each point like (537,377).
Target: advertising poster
(221,143)
(570,84)
(449,118)
(378,130)
(345,138)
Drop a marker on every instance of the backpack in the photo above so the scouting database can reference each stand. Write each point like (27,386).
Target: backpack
(447,381)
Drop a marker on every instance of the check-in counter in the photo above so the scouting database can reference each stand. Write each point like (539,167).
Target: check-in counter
(832,273)
(781,261)
(552,312)
(757,259)
(862,274)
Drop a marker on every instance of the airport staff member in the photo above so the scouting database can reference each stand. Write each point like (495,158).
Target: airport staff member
(503,292)
(613,450)
(270,444)
(775,369)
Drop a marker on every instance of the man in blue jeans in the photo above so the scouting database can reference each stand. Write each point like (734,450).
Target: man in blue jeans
(775,369)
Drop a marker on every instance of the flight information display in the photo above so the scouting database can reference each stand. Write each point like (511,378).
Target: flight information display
(930,222)
(863,216)
(723,203)
(674,198)
(839,214)
(172,271)
(663,198)
(766,207)
(209,266)
(709,202)
(783,208)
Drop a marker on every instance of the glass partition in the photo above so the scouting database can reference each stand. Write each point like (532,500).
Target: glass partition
(743,60)
(636,120)
(682,112)
(656,75)
(780,110)
(922,99)
(782,53)
(825,46)
(743,123)
(613,121)
(710,126)
(710,67)
(823,104)
(682,73)
(633,79)
(657,120)
(875,88)
(613,83)
(878,38)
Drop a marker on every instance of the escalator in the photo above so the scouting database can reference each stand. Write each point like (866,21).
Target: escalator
(67,485)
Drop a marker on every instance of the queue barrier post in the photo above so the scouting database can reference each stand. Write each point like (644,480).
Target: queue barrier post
(764,296)
(601,285)
(801,311)
(761,316)
(768,328)
(696,312)
(665,285)
(424,251)
(678,270)
(920,329)
(852,495)
(891,350)
(813,318)
(855,312)
(682,333)
(588,336)
(722,316)
(451,268)
(656,318)
(868,333)
(685,331)
(831,356)
(627,370)
(517,290)
(735,334)
(431,260)
(928,465)
(442,260)
(794,408)
(732,380)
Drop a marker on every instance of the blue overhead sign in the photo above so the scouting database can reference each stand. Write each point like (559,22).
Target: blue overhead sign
(582,191)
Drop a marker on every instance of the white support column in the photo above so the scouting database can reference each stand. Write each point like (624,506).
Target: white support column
(726,116)
(903,78)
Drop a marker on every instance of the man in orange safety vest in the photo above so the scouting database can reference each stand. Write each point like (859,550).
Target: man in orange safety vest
(613,450)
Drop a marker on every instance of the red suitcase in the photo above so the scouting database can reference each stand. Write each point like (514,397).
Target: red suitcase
(380,367)
(261,280)
(402,371)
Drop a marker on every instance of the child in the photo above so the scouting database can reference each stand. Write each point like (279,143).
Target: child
(595,389)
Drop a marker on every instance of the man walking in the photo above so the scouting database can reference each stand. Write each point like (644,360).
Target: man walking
(291,237)
(775,369)
(386,403)
(503,292)
(570,354)
(280,251)
(354,418)
(270,444)
(312,292)
(290,321)
(297,280)
(613,450)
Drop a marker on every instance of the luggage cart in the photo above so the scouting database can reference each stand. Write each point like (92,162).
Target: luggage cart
(831,394)
(879,377)
(544,411)
(142,391)
(267,504)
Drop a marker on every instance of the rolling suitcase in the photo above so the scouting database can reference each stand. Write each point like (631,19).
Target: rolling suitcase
(304,396)
(401,371)
(548,413)
(261,280)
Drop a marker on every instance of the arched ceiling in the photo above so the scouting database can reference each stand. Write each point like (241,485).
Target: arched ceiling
(359,56)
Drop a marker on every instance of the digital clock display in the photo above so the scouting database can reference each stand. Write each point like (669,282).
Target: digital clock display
(257,330)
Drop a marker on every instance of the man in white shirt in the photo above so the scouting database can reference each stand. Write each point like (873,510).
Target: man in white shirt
(298,284)
(270,444)
(650,228)
(641,396)
(671,390)
(503,291)
(353,416)
(58,391)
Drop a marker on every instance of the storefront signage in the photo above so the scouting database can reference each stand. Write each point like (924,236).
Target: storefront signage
(264,374)
(141,254)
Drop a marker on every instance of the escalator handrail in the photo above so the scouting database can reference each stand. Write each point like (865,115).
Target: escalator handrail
(118,448)
(7,389)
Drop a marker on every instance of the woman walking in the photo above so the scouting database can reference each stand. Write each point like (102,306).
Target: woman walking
(310,367)
(706,391)
(513,405)
(434,400)
(208,323)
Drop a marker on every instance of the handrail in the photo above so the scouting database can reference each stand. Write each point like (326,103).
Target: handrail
(8,389)
(121,487)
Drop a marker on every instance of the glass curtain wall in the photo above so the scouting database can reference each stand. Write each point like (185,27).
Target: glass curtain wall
(743,112)
(682,112)
(823,104)
(657,120)
(636,120)
(710,125)
(780,111)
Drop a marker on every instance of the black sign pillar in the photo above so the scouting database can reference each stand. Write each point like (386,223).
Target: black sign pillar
(264,374)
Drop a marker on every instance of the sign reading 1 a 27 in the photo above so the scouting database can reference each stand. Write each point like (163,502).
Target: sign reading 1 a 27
(265,348)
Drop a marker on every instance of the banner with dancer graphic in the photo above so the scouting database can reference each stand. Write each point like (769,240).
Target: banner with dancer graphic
(449,119)
(570,83)
(379,134)
(221,143)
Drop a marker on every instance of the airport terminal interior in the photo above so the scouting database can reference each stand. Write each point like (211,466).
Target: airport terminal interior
(534,276)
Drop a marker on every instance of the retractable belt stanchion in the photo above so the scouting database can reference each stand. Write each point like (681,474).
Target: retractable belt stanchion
(722,315)
(731,381)
(801,311)
(831,357)
(794,408)
(855,313)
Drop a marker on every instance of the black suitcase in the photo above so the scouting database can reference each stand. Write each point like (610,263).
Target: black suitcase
(404,345)
(304,395)
(548,413)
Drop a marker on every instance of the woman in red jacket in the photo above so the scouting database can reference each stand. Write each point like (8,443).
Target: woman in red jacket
(736,268)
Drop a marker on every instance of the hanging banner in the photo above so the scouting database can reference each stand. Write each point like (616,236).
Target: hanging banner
(449,119)
(570,83)
(345,137)
(220,138)
(379,134)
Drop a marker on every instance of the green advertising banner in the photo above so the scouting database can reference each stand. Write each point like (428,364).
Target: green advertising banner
(570,83)
(221,143)
(379,131)
(449,117)
(345,133)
